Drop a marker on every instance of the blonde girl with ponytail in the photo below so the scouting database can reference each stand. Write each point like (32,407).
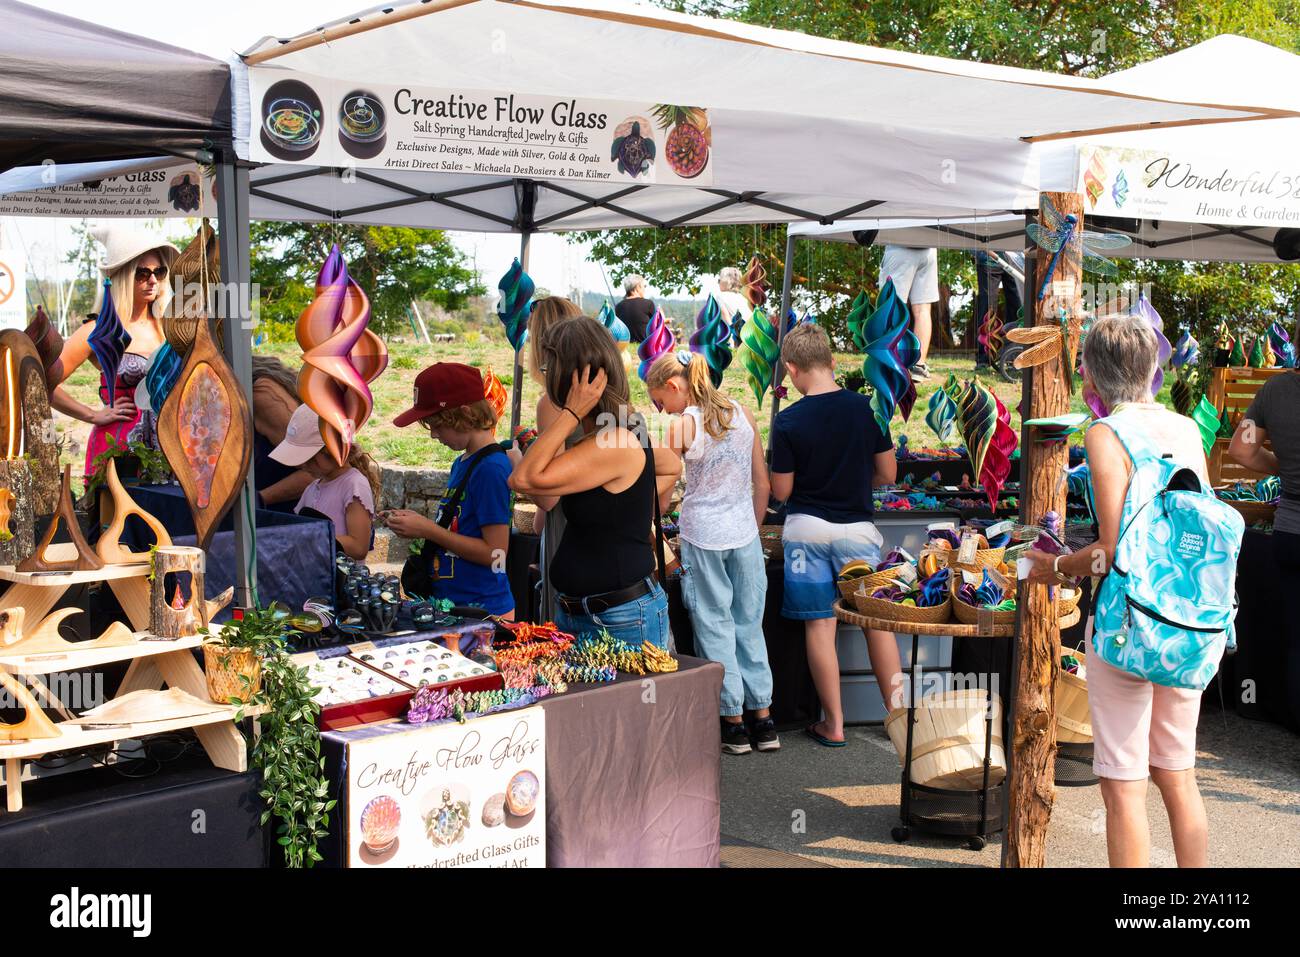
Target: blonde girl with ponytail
(724,581)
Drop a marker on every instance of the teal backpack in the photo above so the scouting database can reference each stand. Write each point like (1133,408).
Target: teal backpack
(1165,612)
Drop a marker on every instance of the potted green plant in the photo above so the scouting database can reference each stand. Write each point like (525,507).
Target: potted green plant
(287,751)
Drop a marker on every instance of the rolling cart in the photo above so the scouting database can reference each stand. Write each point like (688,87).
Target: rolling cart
(973,814)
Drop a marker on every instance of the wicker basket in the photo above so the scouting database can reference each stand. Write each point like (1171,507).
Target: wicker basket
(1073,722)
(892,611)
(849,586)
(948,739)
(223,668)
(525,518)
(984,558)
(969,614)
(1067,603)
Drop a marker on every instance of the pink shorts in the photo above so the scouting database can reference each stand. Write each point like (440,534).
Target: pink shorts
(1137,724)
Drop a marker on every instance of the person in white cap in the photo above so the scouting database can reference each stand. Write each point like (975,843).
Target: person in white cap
(343,494)
(134,277)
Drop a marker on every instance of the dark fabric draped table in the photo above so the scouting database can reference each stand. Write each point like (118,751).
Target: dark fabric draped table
(99,818)
(295,554)
(1262,680)
(630,782)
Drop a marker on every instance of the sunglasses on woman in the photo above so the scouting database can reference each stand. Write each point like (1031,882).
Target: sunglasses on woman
(142,274)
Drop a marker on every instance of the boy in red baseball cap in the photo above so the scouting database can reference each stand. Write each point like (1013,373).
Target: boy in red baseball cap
(463,551)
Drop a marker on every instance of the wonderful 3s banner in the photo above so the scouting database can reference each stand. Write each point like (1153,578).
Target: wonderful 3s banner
(300,118)
(1149,184)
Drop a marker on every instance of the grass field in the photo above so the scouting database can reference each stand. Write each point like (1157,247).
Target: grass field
(411,447)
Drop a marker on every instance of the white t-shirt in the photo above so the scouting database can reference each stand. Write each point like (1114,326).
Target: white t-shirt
(732,302)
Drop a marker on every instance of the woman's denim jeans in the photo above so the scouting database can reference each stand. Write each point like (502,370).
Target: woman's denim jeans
(640,620)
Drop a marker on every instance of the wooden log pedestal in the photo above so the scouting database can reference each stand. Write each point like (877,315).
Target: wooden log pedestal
(973,814)
(165,619)
(1036,661)
(155,664)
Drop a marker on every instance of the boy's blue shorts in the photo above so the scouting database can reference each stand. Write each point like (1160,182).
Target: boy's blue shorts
(815,551)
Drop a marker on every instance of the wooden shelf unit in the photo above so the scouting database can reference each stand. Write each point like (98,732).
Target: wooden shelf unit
(155,664)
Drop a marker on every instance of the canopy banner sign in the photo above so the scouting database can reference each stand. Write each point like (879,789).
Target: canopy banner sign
(334,122)
(13,289)
(171,193)
(1153,184)
(450,795)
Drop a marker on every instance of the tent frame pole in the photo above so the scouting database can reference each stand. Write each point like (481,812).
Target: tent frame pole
(787,281)
(237,343)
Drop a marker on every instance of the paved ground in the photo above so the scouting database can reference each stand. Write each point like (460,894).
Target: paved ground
(836,807)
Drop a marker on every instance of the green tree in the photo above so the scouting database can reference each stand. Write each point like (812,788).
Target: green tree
(393,264)
(1066,36)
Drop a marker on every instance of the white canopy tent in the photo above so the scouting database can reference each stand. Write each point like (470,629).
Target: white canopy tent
(840,129)
(802,127)
(1199,225)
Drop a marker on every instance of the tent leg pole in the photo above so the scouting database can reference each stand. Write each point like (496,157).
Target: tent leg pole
(787,281)
(517,386)
(237,343)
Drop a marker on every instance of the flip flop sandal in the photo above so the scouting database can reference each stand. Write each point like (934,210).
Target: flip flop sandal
(822,739)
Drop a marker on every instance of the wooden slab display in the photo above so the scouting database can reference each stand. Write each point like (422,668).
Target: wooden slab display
(35,725)
(79,657)
(86,559)
(28,426)
(44,638)
(110,547)
(206,431)
(16,477)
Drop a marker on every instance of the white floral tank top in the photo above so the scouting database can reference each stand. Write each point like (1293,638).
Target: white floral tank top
(718,507)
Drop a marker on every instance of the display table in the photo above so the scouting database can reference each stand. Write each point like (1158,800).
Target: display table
(1262,680)
(632,772)
(295,554)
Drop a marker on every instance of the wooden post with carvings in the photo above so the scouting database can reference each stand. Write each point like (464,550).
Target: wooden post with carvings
(1033,735)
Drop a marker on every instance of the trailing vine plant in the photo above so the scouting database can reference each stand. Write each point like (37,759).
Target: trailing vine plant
(287,752)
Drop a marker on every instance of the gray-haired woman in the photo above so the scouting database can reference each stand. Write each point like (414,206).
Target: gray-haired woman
(729,297)
(1138,728)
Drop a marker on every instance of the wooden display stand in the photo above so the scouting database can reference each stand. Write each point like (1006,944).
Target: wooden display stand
(155,663)
(1233,389)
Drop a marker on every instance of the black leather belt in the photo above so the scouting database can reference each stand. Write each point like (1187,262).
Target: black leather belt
(595,604)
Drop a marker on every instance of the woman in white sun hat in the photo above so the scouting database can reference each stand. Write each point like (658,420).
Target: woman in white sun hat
(136,267)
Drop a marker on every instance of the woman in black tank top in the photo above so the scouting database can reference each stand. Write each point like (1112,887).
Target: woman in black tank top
(609,486)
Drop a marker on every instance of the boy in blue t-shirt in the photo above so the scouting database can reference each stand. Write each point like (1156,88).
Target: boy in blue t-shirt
(827,453)
(466,541)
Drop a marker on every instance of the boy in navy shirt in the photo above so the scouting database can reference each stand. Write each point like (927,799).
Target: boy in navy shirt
(827,453)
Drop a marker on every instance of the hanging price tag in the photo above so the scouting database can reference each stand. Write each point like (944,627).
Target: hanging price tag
(969,546)
(1000,580)
(984,621)
(999,528)
(906,576)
